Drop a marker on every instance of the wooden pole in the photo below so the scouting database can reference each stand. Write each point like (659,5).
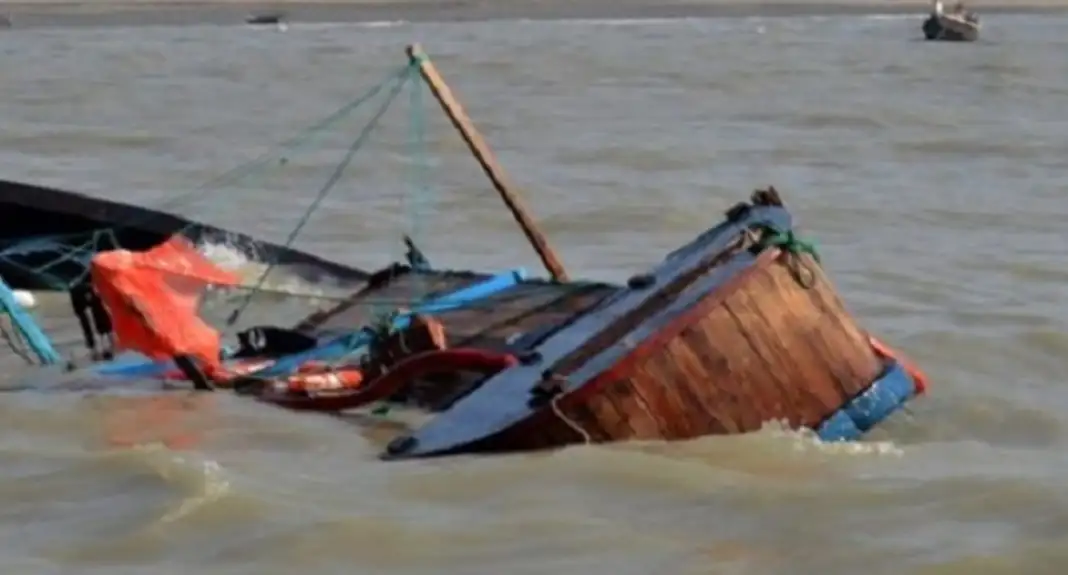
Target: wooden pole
(486,159)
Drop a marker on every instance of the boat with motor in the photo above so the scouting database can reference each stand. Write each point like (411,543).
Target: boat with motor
(957,25)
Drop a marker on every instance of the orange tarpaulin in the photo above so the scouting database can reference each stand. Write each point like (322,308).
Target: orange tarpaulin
(153,297)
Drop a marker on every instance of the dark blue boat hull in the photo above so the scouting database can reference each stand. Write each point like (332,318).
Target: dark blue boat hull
(42,224)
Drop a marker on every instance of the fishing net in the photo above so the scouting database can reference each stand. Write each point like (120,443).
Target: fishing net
(162,308)
(167,297)
(176,315)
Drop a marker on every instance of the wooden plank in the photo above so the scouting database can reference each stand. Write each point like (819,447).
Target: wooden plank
(485,157)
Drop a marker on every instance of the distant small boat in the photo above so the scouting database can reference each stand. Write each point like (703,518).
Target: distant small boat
(270,19)
(958,26)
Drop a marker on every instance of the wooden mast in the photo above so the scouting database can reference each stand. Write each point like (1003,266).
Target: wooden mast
(486,159)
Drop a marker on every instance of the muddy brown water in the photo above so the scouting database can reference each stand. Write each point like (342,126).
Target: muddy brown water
(930,175)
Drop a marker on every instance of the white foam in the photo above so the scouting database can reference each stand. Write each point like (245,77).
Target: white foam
(225,255)
(232,259)
(806,439)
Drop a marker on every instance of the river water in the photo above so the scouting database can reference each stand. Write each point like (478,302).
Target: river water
(930,175)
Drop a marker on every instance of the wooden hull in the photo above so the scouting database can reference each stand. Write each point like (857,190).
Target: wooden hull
(68,220)
(722,337)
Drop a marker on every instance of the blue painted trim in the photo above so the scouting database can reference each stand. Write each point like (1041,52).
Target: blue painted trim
(130,364)
(133,365)
(886,395)
(33,334)
(352,342)
(503,401)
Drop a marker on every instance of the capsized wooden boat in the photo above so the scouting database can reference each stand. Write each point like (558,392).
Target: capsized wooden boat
(962,27)
(737,328)
(734,330)
(43,224)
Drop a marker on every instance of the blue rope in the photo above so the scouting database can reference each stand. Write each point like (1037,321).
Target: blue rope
(307,136)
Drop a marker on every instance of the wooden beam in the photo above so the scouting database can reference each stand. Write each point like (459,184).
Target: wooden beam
(487,160)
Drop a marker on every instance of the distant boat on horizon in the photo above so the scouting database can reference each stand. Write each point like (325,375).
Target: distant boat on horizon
(960,25)
(277,19)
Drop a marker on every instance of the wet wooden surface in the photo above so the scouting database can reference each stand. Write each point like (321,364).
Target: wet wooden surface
(502,404)
(772,350)
(486,322)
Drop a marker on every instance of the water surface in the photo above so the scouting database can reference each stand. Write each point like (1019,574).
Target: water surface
(931,176)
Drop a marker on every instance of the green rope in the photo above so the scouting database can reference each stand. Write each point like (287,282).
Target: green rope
(80,254)
(257,166)
(418,198)
(303,139)
(382,327)
(88,248)
(419,188)
(334,178)
(788,241)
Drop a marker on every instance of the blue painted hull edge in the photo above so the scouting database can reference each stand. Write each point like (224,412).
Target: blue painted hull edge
(884,396)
